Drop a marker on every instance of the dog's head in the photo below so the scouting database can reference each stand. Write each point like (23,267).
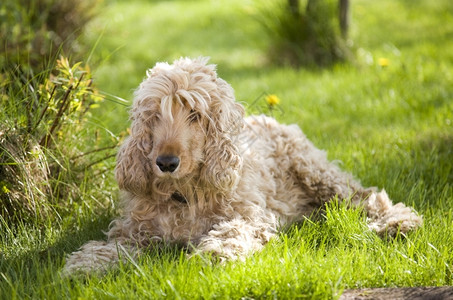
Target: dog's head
(184,123)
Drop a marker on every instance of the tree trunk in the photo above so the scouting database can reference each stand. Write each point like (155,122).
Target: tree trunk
(294,7)
(310,6)
(344,17)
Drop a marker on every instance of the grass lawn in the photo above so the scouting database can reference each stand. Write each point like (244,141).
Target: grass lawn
(391,126)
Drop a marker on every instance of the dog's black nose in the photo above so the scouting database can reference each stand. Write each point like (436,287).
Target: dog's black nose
(167,163)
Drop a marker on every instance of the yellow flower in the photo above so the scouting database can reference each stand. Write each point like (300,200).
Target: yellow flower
(383,62)
(5,189)
(272,100)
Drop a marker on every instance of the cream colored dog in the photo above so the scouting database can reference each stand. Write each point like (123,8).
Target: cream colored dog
(194,172)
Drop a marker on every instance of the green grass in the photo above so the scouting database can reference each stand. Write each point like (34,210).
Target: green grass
(390,126)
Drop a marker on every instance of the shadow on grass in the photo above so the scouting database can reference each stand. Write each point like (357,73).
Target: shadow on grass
(430,170)
(28,271)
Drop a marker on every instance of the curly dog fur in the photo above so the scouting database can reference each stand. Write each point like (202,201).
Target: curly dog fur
(194,172)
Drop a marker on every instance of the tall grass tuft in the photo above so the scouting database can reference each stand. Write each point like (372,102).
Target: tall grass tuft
(47,147)
(44,157)
(303,33)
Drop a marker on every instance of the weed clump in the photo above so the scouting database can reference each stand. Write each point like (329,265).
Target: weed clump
(305,33)
(43,160)
(47,151)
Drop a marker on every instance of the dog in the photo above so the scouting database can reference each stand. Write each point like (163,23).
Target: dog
(194,172)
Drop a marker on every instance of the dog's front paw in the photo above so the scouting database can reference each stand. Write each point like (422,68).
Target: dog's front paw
(233,240)
(388,219)
(96,257)
(219,250)
(210,256)
(93,258)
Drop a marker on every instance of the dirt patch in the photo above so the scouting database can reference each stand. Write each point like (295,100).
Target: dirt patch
(416,293)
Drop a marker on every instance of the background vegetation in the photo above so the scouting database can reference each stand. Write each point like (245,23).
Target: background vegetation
(387,116)
(46,147)
(304,32)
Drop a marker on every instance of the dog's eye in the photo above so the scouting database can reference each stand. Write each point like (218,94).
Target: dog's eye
(156,117)
(194,116)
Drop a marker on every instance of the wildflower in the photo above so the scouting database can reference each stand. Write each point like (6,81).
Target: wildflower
(272,100)
(383,62)
(4,189)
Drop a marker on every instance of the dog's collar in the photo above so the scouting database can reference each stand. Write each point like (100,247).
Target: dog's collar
(178,197)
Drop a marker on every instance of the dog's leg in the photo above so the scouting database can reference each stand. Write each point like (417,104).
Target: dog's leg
(324,180)
(320,179)
(234,239)
(97,257)
(388,219)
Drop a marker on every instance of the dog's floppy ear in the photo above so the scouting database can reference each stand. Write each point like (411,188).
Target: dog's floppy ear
(223,162)
(133,170)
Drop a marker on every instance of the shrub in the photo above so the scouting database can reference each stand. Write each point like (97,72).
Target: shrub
(306,33)
(44,154)
(47,149)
